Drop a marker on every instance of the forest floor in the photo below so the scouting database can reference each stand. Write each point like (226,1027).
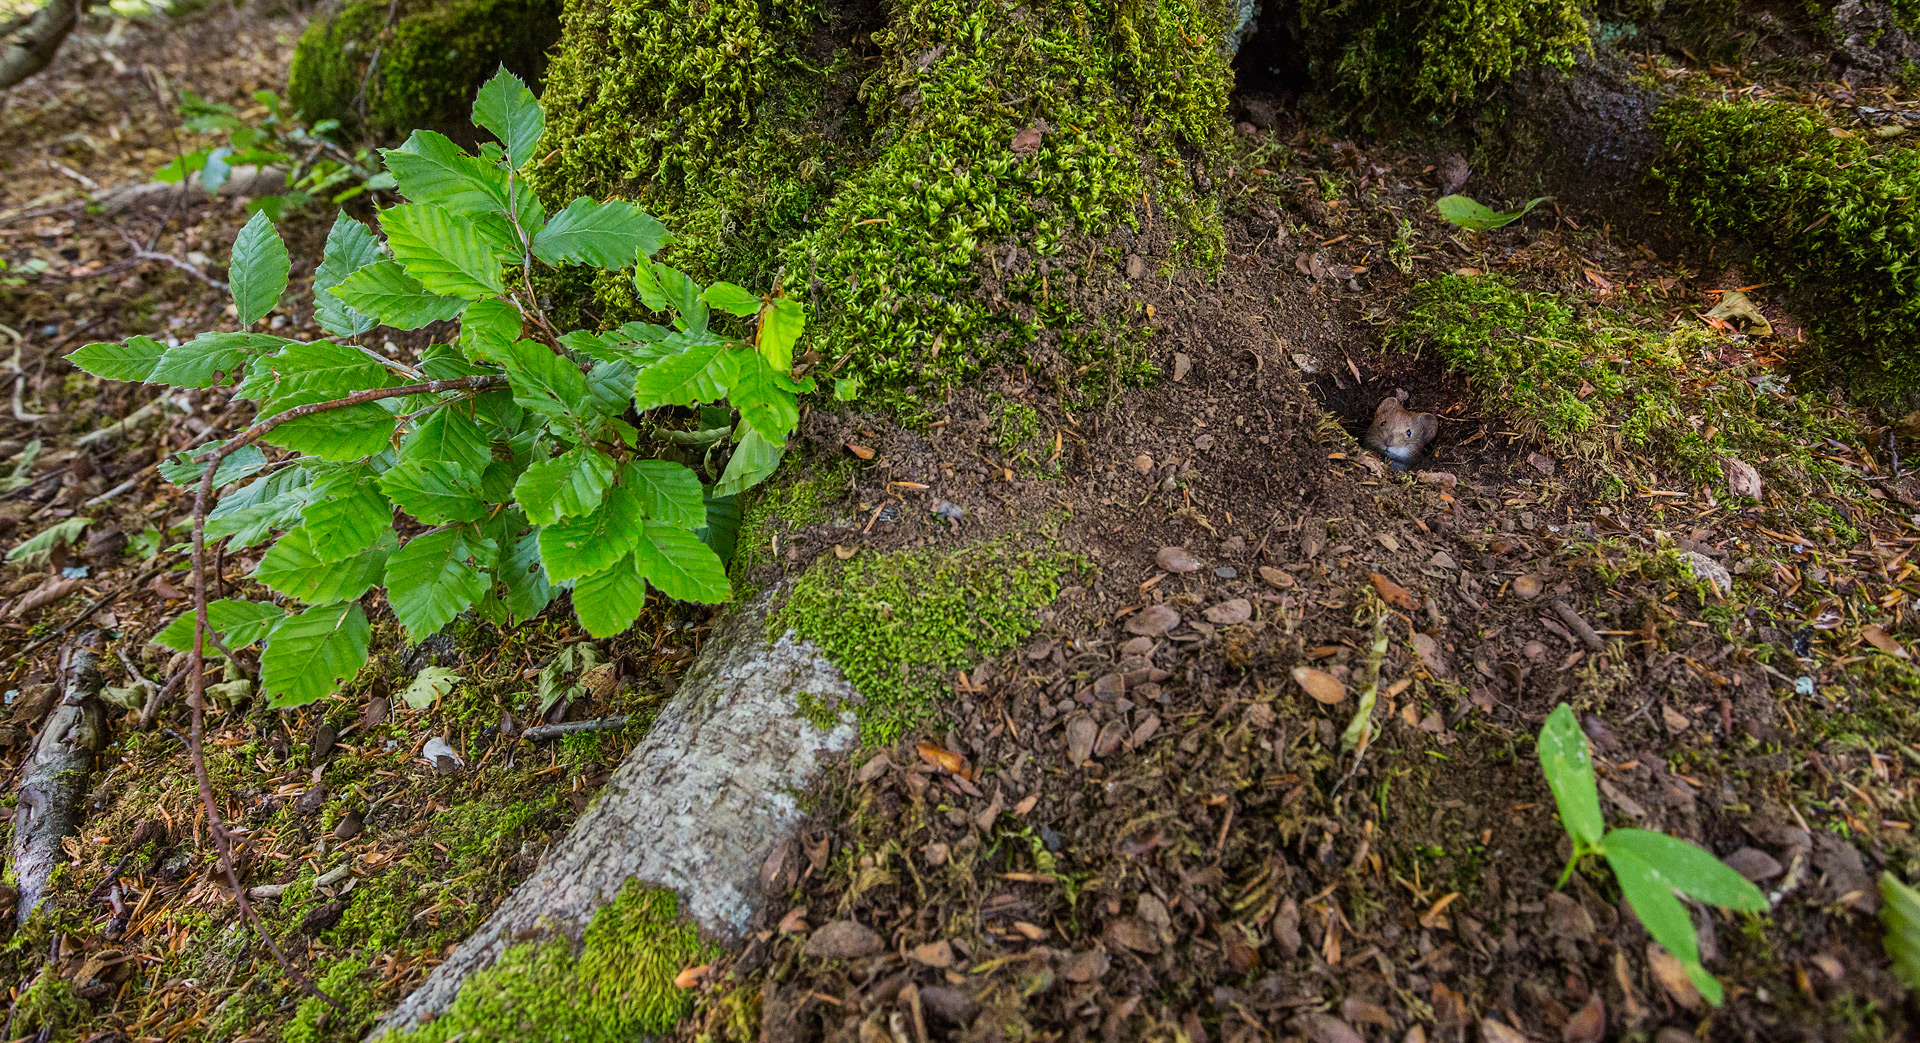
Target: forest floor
(1130,820)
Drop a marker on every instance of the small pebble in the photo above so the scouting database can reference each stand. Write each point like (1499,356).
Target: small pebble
(1227,572)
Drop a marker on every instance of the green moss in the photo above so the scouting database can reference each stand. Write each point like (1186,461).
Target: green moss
(618,987)
(790,502)
(347,981)
(433,56)
(49,1006)
(1016,426)
(874,165)
(1833,217)
(899,625)
(1597,387)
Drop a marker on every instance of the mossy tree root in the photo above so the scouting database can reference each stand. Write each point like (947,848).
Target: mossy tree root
(53,781)
(697,806)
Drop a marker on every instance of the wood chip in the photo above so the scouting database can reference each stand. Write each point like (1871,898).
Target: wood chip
(1393,593)
(1324,687)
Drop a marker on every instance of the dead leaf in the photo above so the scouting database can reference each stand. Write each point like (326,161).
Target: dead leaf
(942,758)
(54,589)
(1176,559)
(1276,578)
(1492,1031)
(1676,721)
(795,922)
(1428,649)
(165,588)
(1739,310)
(690,977)
(1031,932)
(1588,1024)
(873,768)
(1027,141)
(1324,687)
(1529,585)
(1182,364)
(1742,478)
(1672,976)
(1393,593)
(843,552)
(860,451)
(1153,621)
(938,955)
(1885,642)
(1081,733)
(1230,613)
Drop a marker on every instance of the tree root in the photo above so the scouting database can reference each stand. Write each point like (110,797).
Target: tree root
(53,781)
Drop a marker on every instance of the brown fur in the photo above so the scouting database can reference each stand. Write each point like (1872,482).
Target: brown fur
(1399,435)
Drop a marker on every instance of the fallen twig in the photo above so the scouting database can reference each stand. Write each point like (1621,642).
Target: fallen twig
(543,732)
(1584,632)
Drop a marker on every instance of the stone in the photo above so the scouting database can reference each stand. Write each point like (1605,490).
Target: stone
(844,940)
(1153,621)
(1754,864)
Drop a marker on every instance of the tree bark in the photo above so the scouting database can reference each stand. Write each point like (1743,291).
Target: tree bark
(53,781)
(696,806)
(32,43)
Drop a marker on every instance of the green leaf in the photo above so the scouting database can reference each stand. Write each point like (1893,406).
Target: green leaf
(668,492)
(488,329)
(211,358)
(445,253)
(846,389)
(244,462)
(734,300)
(694,368)
(647,283)
(610,387)
(780,328)
(350,247)
(257,272)
(436,492)
(449,434)
(1900,918)
(339,435)
(683,295)
(754,460)
(523,577)
(755,390)
(132,359)
(430,168)
(311,654)
(251,513)
(293,567)
(722,529)
(304,373)
(237,624)
(1568,765)
(1475,217)
(608,235)
(35,552)
(592,543)
(566,486)
(347,515)
(507,108)
(1650,894)
(431,684)
(542,381)
(680,566)
(431,580)
(385,291)
(608,602)
(1691,869)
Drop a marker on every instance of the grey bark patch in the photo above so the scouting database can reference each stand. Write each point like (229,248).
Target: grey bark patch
(53,780)
(696,806)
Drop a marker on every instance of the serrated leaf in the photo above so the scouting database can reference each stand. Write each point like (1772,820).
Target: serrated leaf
(446,254)
(445,362)
(780,328)
(244,462)
(132,359)
(350,247)
(754,460)
(449,434)
(566,486)
(257,271)
(1650,895)
(211,358)
(668,492)
(347,514)
(523,577)
(647,284)
(251,513)
(436,492)
(722,528)
(339,435)
(542,381)
(608,602)
(592,543)
(680,566)
(683,296)
(237,624)
(692,368)
(304,373)
(1568,765)
(610,387)
(734,300)
(488,328)
(763,402)
(430,168)
(311,654)
(292,567)
(610,235)
(507,108)
(430,581)
(34,552)
(1691,869)
(431,684)
(385,291)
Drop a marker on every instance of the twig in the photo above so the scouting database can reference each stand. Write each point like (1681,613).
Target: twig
(99,603)
(543,732)
(1579,626)
(144,254)
(120,426)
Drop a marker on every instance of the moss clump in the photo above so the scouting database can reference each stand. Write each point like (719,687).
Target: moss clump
(618,987)
(1388,58)
(927,184)
(790,502)
(49,1007)
(898,625)
(433,56)
(1599,388)
(1830,212)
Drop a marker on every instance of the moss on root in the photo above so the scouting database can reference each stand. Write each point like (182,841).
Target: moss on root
(899,624)
(927,184)
(1829,211)
(433,56)
(617,987)
(1599,387)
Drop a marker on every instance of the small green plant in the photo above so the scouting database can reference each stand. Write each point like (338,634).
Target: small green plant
(1900,917)
(1475,216)
(316,167)
(1649,866)
(521,459)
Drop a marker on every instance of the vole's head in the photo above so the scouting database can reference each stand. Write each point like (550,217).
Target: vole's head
(1399,435)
